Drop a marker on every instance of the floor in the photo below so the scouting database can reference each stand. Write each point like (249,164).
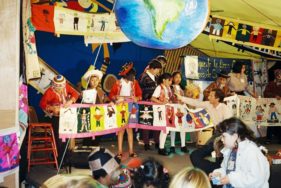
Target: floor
(173,162)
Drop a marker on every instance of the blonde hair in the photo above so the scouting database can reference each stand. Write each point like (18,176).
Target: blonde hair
(190,178)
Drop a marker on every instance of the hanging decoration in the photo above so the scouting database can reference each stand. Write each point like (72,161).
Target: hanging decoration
(244,33)
(166,24)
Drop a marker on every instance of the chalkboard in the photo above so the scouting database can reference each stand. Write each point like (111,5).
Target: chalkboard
(208,67)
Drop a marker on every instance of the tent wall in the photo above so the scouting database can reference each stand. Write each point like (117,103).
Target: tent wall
(9,74)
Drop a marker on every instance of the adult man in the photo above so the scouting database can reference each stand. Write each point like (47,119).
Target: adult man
(220,83)
(148,83)
(218,112)
(59,93)
(273,90)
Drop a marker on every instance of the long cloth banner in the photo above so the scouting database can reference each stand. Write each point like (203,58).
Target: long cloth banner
(245,33)
(261,111)
(82,120)
(97,28)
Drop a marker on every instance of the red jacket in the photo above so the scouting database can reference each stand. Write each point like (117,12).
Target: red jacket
(115,90)
(52,98)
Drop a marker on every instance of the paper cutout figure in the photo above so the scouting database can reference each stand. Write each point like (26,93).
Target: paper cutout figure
(68,120)
(9,152)
(146,114)
(110,117)
(170,116)
(84,120)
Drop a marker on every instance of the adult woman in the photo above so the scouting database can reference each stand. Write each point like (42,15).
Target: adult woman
(244,165)
(238,82)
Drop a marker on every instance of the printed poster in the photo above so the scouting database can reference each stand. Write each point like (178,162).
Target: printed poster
(68,120)
(134,113)
(110,117)
(97,118)
(159,115)
(84,123)
(145,114)
(122,114)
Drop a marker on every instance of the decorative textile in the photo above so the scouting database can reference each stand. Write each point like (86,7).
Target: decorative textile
(31,58)
(42,17)
(23,110)
(244,33)
(97,28)
(260,76)
(9,152)
(85,120)
(261,111)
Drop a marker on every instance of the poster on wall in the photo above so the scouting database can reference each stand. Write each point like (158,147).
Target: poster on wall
(47,74)
(191,67)
(206,68)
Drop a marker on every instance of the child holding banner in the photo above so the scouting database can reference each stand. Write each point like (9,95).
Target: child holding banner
(127,88)
(176,88)
(162,95)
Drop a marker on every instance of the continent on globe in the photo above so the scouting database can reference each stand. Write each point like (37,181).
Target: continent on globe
(163,12)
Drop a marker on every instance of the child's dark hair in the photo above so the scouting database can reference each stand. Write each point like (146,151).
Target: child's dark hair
(219,94)
(164,76)
(237,67)
(235,125)
(130,74)
(151,172)
(155,64)
(176,73)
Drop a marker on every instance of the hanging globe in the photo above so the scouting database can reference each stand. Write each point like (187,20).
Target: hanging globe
(162,24)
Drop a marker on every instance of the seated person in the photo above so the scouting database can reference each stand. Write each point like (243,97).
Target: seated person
(107,170)
(151,174)
(220,83)
(190,177)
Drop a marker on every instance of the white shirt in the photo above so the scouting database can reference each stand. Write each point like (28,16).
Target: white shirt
(252,167)
(150,75)
(217,114)
(157,92)
(125,88)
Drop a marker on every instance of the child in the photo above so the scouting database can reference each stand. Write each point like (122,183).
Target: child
(94,94)
(177,89)
(162,95)
(126,88)
(151,174)
(244,165)
(190,177)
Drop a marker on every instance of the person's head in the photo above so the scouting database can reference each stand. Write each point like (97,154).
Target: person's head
(93,78)
(277,74)
(190,178)
(163,60)
(216,96)
(239,67)
(176,78)
(272,104)
(192,91)
(104,166)
(97,110)
(222,78)
(151,174)
(128,72)
(154,67)
(165,79)
(58,83)
(233,131)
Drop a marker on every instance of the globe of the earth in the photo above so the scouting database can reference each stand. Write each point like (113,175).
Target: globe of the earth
(162,24)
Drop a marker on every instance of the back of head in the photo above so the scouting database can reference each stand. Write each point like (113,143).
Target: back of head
(237,67)
(235,125)
(190,178)
(155,64)
(162,58)
(151,173)
(102,162)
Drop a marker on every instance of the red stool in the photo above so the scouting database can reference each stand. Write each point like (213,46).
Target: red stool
(41,139)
